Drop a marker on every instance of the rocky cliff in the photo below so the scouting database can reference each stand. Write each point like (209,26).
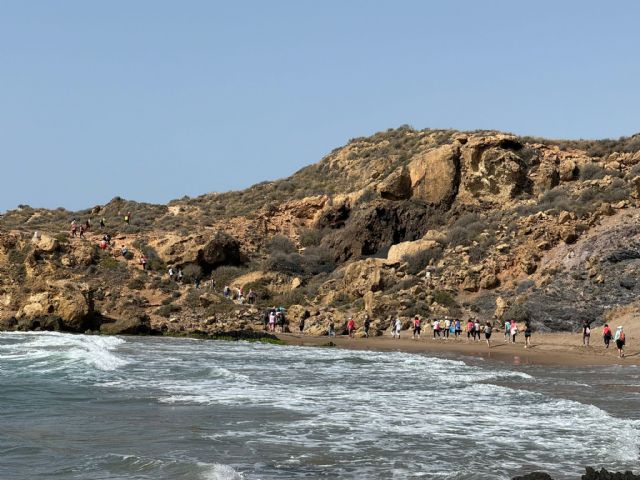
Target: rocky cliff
(405,222)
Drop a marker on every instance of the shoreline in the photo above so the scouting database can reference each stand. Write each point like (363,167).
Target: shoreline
(555,349)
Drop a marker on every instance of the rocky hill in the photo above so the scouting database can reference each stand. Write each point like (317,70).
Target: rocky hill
(430,222)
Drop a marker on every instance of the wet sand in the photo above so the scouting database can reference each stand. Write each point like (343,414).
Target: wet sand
(546,349)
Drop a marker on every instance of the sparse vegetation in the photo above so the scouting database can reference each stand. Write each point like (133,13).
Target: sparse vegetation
(421,260)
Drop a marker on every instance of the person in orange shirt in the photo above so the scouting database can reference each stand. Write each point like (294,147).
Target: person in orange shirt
(606,335)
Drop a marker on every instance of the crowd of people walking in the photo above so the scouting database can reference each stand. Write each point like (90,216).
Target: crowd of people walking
(445,329)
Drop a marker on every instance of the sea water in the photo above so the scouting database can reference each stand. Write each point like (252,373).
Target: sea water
(94,407)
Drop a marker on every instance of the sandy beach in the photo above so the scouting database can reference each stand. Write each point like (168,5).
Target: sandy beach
(546,349)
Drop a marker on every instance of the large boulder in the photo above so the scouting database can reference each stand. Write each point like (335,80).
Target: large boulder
(403,250)
(370,275)
(222,249)
(434,175)
(45,243)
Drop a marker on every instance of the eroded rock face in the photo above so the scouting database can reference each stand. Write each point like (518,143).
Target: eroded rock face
(378,227)
(396,186)
(434,175)
(492,169)
(68,302)
(209,252)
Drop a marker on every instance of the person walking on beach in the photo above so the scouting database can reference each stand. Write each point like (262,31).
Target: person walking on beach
(436,328)
(586,333)
(507,331)
(280,320)
(458,328)
(447,327)
(332,329)
(471,333)
(272,320)
(606,335)
(477,328)
(416,327)
(620,341)
(397,326)
(367,325)
(527,333)
(487,334)
(351,327)
(514,330)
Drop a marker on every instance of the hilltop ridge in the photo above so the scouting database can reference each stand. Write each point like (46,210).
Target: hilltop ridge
(405,222)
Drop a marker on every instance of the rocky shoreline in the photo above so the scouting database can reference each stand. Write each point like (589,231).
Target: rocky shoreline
(591,474)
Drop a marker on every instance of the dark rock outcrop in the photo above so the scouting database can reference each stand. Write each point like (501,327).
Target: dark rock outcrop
(603,474)
(222,249)
(591,474)
(534,476)
(137,325)
(376,228)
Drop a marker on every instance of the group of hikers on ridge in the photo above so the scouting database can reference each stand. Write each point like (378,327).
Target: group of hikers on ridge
(78,229)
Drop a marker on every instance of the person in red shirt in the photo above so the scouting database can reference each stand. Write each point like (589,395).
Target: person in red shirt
(351,327)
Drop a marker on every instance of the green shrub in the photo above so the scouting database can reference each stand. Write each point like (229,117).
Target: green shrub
(592,171)
(417,308)
(166,310)
(154,262)
(225,274)
(466,229)
(260,288)
(109,263)
(444,298)
(137,283)
(289,263)
(311,237)
(192,272)
(281,244)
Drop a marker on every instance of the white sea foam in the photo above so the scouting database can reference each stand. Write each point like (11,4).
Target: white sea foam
(62,349)
(331,407)
(220,471)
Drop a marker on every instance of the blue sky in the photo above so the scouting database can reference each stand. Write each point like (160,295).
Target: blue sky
(153,100)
